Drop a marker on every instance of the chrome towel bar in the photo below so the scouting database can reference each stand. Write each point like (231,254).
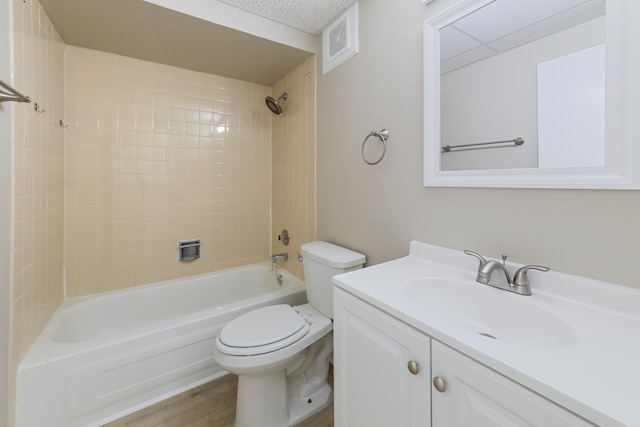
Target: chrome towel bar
(516,142)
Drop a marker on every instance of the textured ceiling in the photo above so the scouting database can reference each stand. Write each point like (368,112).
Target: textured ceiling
(506,24)
(310,16)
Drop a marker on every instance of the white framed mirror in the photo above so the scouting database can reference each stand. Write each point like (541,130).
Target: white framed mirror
(473,94)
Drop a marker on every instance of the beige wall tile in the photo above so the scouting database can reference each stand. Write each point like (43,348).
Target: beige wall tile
(293,163)
(168,154)
(38,182)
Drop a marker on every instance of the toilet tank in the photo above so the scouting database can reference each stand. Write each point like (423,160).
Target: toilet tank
(322,261)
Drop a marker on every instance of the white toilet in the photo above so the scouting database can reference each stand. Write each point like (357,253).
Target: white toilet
(281,353)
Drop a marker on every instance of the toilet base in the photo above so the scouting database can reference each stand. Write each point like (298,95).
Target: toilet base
(262,400)
(287,397)
(301,409)
(269,406)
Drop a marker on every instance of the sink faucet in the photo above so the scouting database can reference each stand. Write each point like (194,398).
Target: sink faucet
(494,273)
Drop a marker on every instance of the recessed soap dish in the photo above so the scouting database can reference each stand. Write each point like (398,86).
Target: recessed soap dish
(188,250)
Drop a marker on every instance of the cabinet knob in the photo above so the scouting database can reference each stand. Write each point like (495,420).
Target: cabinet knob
(439,384)
(413,367)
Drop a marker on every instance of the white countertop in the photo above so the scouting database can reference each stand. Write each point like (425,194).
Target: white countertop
(594,370)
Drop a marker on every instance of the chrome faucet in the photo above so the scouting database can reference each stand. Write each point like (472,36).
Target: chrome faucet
(279,257)
(494,273)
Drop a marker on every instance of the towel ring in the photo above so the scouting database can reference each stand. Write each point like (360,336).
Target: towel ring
(383,135)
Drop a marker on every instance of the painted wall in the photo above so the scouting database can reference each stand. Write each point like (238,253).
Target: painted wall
(37,181)
(157,154)
(293,160)
(377,210)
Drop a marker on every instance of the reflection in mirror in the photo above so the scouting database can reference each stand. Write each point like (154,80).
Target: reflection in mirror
(507,60)
(510,71)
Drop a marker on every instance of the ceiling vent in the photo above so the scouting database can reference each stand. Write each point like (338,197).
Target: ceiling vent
(340,39)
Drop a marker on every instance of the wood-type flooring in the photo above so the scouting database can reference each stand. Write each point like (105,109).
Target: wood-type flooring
(210,405)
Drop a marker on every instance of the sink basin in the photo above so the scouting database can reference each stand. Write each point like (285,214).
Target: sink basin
(495,314)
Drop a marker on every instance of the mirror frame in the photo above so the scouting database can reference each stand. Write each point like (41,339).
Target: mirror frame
(622,112)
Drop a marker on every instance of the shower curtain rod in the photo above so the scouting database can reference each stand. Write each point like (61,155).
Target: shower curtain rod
(13,94)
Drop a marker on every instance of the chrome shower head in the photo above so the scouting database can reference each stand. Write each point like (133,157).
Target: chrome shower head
(274,104)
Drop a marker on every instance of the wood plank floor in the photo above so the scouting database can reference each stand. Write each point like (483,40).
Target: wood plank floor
(210,405)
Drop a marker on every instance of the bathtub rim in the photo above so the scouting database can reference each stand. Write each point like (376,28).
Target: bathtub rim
(45,349)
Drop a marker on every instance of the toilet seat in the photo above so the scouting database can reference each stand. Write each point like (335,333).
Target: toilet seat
(261,331)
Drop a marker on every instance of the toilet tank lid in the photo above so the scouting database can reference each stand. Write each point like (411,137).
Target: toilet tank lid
(331,255)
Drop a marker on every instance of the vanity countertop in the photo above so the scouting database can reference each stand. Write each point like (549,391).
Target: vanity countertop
(580,340)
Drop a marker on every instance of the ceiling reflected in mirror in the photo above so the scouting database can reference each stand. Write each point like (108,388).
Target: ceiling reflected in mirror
(513,23)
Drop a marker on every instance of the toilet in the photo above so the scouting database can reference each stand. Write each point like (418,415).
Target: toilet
(281,353)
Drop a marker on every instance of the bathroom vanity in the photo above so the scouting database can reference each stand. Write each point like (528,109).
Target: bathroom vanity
(418,342)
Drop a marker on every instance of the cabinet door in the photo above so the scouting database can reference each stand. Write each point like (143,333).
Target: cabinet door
(373,383)
(477,396)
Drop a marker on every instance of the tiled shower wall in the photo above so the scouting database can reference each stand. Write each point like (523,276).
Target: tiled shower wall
(294,163)
(156,154)
(37,175)
(151,155)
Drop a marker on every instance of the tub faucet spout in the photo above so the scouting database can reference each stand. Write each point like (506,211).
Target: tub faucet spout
(279,257)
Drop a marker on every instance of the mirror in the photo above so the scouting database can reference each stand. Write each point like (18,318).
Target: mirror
(532,93)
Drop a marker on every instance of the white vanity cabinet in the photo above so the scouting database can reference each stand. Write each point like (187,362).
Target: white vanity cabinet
(474,395)
(381,368)
(388,373)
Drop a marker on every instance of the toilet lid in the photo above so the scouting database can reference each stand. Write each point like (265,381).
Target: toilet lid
(263,330)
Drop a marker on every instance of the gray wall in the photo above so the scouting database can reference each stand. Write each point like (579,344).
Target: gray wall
(5,208)
(378,209)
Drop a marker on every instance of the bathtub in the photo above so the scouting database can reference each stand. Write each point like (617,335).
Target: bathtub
(105,356)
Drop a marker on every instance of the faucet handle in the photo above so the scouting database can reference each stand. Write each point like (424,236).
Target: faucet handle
(521,279)
(480,257)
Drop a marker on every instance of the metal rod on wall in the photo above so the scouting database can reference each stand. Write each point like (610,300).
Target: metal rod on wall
(13,94)
(516,142)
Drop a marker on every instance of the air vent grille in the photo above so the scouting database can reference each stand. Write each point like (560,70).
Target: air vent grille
(340,39)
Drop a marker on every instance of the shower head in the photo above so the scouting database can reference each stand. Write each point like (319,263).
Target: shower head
(274,104)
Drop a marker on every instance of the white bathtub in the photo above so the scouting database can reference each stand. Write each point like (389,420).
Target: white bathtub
(103,357)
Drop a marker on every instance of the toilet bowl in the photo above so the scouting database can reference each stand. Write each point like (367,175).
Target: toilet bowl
(281,353)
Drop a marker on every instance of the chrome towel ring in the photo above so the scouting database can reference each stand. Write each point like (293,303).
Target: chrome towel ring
(383,135)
